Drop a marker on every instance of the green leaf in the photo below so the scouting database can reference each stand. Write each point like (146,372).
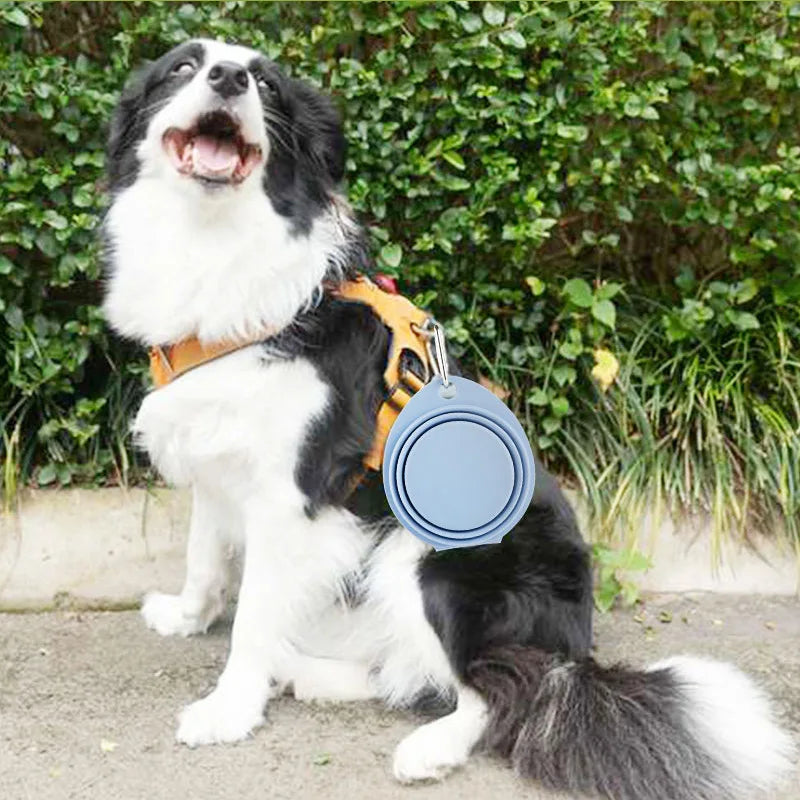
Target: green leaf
(564,374)
(47,243)
(577,133)
(624,213)
(493,14)
(608,290)
(550,425)
(633,106)
(83,196)
(570,350)
(672,41)
(708,43)
(55,220)
(605,595)
(6,265)
(685,280)
(560,406)
(471,23)
(578,292)
(744,320)
(454,158)
(15,318)
(637,562)
(536,285)
(513,38)
(538,397)
(16,16)
(71,132)
(51,180)
(745,290)
(47,474)
(604,311)
(392,254)
(455,183)
(786,291)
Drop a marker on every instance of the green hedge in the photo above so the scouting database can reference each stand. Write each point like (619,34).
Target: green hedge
(572,187)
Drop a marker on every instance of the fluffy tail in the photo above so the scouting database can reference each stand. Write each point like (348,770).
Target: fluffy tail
(683,729)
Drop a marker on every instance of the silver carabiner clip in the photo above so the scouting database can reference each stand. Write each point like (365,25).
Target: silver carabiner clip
(440,352)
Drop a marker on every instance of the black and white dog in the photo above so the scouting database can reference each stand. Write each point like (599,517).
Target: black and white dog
(225,223)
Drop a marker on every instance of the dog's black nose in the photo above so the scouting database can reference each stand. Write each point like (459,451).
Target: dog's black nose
(228,79)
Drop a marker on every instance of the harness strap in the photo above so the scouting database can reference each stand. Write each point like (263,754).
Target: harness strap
(169,362)
(406,324)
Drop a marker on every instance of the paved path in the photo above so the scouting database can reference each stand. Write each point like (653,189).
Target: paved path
(87,707)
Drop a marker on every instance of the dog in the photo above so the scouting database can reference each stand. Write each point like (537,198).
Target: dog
(227,223)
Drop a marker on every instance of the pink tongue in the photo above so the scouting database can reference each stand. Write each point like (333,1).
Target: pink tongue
(215,155)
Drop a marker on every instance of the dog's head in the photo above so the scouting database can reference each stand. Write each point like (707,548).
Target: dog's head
(223,119)
(225,214)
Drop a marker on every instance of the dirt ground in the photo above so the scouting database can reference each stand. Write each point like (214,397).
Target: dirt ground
(88,703)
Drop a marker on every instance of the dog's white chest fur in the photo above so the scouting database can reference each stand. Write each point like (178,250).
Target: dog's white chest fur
(189,266)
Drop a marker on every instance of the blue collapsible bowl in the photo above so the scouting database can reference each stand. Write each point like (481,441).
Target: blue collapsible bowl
(458,468)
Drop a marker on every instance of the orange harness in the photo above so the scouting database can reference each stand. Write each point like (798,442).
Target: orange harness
(407,324)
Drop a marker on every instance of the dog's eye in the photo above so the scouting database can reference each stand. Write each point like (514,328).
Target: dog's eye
(184,68)
(266,83)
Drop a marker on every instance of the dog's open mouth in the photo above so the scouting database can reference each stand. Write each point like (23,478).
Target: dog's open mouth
(213,150)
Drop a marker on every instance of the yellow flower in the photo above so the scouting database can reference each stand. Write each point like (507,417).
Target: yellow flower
(606,368)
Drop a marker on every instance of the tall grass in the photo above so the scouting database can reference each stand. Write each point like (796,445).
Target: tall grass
(709,426)
(87,442)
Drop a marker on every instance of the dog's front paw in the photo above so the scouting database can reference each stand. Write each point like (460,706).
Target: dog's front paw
(164,613)
(427,754)
(220,717)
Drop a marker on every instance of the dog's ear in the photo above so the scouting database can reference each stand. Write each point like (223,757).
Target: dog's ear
(320,128)
(125,122)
